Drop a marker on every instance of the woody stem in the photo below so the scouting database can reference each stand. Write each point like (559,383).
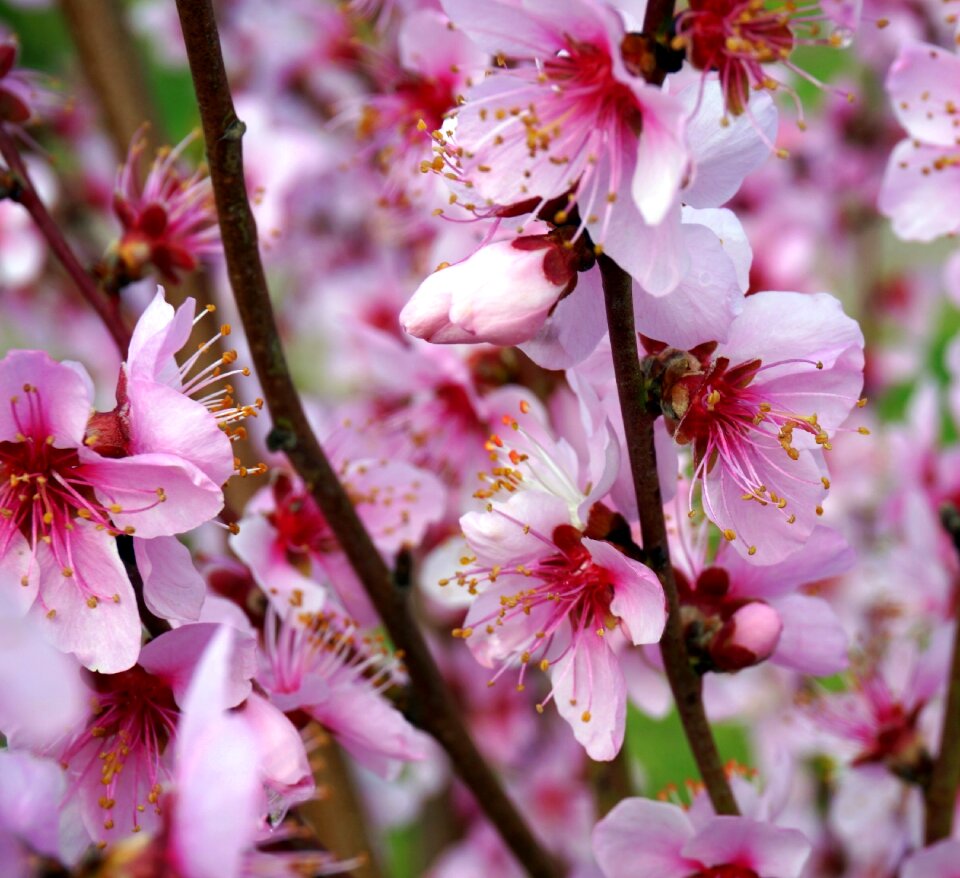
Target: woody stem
(292,434)
(638,422)
(20,188)
(940,795)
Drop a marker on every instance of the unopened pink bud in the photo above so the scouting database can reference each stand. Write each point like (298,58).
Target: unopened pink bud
(502,294)
(747,638)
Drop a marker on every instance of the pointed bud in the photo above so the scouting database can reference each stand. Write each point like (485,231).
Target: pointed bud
(747,638)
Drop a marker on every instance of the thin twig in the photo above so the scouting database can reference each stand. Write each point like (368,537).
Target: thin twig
(941,793)
(292,434)
(24,192)
(638,426)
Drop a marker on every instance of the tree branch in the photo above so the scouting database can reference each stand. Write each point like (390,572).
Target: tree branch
(111,65)
(941,793)
(292,434)
(638,427)
(20,188)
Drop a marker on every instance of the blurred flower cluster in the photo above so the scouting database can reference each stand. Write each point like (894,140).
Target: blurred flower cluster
(194,679)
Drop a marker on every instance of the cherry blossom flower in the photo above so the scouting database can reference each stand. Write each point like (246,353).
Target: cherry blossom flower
(940,860)
(31,790)
(547,592)
(42,696)
(740,38)
(188,411)
(435,63)
(641,838)
(923,170)
(758,411)
(289,545)
(883,719)
(223,771)
(62,504)
(571,117)
(320,664)
(168,223)
(119,763)
(476,300)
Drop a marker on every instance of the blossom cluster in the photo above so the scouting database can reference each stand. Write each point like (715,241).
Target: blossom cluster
(195,678)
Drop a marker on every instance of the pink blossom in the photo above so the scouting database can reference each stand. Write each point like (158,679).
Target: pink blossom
(435,63)
(941,860)
(740,40)
(758,411)
(922,175)
(235,772)
(31,790)
(319,663)
(577,119)
(739,613)
(501,294)
(880,720)
(119,763)
(63,503)
(641,838)
(168,223)
(185,411)
(547,592)
(42,696)
(290,547)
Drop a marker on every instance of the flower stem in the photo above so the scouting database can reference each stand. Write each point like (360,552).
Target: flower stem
(24,192)
(941,793)
(685,683)
(434,708)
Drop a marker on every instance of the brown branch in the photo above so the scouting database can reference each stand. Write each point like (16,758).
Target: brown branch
(336,815)
(638,423)
(20,188)
(110,62)
(292,434)
(940,796)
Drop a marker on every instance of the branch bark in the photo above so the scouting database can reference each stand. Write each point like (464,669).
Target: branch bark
(940,796)
(22,190)
(638,423)
(292,434)
(111,65)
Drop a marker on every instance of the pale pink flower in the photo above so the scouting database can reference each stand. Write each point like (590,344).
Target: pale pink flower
(883,718)
(569,117)
(290,547)
(187,411)
(941,860)
(923,174)
(740,40)
(319,663)
(62,504)
(168,223)
(42,696)
(434,65)
(227,767)
(758,411)
(547,592)
(641,838)
(31,790)
(119,763)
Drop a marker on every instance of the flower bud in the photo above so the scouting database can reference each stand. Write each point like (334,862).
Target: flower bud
(502,294)
(748,637)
